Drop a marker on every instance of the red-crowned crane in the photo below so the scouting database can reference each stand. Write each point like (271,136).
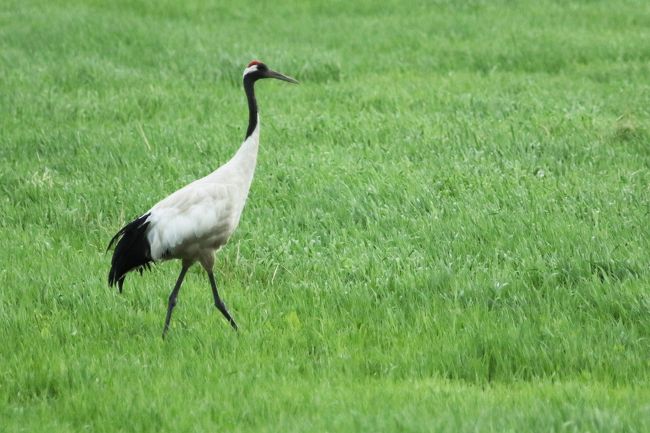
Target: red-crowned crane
(195,221)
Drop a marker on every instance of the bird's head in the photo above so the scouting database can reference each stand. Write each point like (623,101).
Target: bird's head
(257,70)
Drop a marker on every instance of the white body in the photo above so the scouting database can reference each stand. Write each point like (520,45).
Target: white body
(199,218)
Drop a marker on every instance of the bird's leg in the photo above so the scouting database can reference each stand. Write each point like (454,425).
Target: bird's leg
(172,297)
(218,302)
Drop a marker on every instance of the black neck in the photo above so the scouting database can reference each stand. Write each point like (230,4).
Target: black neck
(249,88)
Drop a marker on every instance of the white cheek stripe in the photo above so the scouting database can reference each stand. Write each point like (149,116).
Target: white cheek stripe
(250,69)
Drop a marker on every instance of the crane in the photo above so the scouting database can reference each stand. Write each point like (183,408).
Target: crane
(195,221)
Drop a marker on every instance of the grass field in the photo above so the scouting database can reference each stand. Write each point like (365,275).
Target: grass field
(449,227)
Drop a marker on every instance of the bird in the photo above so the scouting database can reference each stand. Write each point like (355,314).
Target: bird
(192,223)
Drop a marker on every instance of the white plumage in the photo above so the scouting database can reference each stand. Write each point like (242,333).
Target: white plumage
(200,217)
(195,221)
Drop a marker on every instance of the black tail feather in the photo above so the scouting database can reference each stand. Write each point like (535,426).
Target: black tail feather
(132,251)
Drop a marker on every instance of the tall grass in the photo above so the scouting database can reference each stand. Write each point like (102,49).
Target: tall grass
(447,231)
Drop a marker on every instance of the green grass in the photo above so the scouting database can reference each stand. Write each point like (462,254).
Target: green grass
(448,229)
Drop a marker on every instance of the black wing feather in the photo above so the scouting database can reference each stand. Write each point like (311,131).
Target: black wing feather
(132,251)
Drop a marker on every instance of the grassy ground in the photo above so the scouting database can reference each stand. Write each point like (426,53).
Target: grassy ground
(448,229)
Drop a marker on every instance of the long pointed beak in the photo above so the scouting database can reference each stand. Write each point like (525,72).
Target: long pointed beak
(279,76)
